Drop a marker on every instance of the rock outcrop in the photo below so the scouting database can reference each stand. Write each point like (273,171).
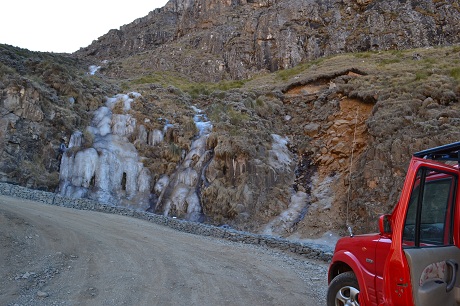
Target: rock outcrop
(214,40)
(296,152)
(43,99)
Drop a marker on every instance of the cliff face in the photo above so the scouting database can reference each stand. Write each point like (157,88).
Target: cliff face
(43,99)
(213,40)
(272,153)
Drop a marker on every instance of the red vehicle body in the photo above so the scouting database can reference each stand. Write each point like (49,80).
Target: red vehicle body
(414,258)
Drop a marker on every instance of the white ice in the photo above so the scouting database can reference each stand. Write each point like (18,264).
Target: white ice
(161,184)
(184,184)
(203,124)
(155,137)
(75,139)
(93,69)
(279,156)
(110,171)
(292,214)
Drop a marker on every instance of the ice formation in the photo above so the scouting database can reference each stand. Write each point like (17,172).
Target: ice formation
(279,155)
(280,158)
(293,214)
(179,194)
(93,69)
(109,169)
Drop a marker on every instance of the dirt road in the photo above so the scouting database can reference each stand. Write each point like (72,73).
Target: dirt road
(51,255)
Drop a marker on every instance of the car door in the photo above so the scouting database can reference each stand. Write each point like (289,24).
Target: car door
(428,238)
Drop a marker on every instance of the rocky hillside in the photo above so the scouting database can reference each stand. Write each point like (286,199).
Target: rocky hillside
(212,40)
(294,152)
(44,98)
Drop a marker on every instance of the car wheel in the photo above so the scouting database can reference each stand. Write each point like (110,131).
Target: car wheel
(343,290)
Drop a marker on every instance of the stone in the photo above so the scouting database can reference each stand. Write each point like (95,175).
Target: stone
(311,129)
(42,294)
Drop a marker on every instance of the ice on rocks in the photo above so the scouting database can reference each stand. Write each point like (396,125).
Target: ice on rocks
(84,167)
(184,186)
(131,172)
(123,125)
(166,127)
(188,177)
(279,156)
(75,139)
(144,180)
(161,184)
(125,99)
(66,167)
(110,171)
(101,123)
(93,69)
(110,102)
(103,171)
(142,134)
(201,125)
(155,137)
(127,104)
(202,122)
(294,213)
(134,94)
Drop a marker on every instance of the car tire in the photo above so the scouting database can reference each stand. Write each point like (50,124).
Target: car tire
(343,290)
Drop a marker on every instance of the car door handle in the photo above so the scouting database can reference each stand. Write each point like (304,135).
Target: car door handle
(452,276)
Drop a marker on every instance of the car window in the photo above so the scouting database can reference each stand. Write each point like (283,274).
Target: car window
(428,219)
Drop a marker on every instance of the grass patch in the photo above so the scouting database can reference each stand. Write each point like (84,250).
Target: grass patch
(389,61)
(5,70)
(175,150)
(367,54)
(228,85)
(222,113)
(216,112)
(194,89)
(421,75)
(429,61)
(237,118)
(286,74)
(197,89)
(455,73)
(398,53)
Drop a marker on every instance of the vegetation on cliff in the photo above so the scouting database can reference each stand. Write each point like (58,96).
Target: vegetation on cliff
(385,105)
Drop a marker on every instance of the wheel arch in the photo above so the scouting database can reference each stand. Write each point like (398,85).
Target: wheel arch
(347,262)
(338,268)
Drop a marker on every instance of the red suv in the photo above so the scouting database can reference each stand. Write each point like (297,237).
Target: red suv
(414,259)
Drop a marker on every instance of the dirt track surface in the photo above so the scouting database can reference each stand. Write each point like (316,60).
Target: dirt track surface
(51,255)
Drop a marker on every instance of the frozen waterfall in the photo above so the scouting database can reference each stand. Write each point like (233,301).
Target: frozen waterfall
(281,158)
(102,164)
(109,169)
(180,194)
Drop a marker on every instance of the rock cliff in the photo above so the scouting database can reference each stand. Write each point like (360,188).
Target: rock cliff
(43,98)
(214,40)
(269,148)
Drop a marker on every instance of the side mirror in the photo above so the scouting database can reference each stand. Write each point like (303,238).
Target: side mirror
(385,225)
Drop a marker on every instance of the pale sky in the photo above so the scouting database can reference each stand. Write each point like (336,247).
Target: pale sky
(66,26)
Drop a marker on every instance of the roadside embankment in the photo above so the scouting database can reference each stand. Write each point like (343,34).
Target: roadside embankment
(307,250)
